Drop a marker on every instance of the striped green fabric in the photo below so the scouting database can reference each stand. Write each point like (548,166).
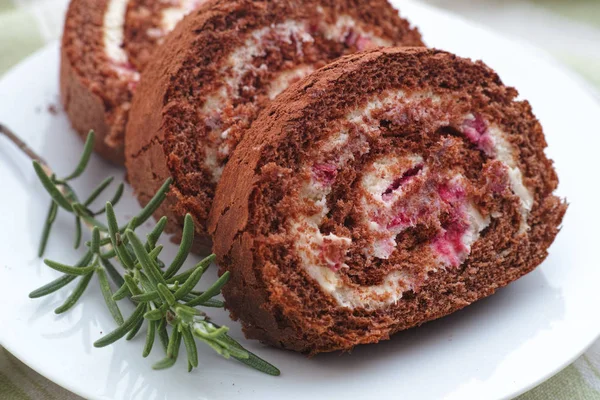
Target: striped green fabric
(19,36)
(26,25)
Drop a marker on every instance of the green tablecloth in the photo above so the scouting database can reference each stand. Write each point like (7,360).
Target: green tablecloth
(26,25)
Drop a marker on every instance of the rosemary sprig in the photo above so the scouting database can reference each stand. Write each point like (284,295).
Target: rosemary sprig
(162,297)
(64,197)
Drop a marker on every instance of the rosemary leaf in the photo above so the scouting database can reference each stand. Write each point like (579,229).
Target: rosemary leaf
(132,285)
(150,333)
(73,297)
(181,277)
(85,260)
(146,284)
(190,346)
(113,231)
(52,211)
(259,364)
(84,214)
(62,281)
(154,315)
(98,190)
(77,232)
(88,147)
(166,294)
(115,199)
(146,297)
(117,196)
(174,343)
(154,253)
(205,263)
(216,346)
(163,335)
(172,351)
(253,360)
(66,189)
(237,353)
(211,331)
(165,363)
(51,188)
(148,265)
(115,276)
(135,329)
(187,239)
(152,205)
(122,329)
(103,242)
(213,303)
(212,291)
(153,236)
(109,254)
(108,295)
(190,283)
(67,269)
(95,245)
(52,286)
(122,293)
(186,313)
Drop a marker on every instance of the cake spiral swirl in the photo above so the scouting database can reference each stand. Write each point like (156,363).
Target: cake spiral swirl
(387,189)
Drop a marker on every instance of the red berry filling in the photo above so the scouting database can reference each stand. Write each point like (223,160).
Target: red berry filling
(324,173)
(476,130)
(333,252)
(406,176)
(449,243)
(354,38)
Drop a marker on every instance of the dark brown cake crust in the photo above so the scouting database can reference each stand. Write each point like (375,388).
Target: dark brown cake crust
(168,133)
(96,91)
(276,300)
(84,75)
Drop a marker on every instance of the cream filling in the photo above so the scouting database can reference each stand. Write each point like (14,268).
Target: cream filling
(352,295)
(382,174)
(112,39)
(114,21)
(379,176)
(344,24)
(171,16)
(239,63)
(504,153)
(309,240)
(286,78)
(114,26)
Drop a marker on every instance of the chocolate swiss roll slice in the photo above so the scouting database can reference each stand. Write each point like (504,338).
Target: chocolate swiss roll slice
(216,71)
(387,189)
(105,45)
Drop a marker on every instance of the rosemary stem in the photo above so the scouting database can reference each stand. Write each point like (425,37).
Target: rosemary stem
(10,135)
(21,145)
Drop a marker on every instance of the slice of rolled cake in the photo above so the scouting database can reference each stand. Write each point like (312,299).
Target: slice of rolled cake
(105,45)
(385,190)
(218,69)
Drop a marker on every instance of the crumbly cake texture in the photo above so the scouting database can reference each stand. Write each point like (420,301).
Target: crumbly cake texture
(387,189)
(105,45)
(218,69)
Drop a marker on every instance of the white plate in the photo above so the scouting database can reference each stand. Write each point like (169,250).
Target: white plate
(494,349)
